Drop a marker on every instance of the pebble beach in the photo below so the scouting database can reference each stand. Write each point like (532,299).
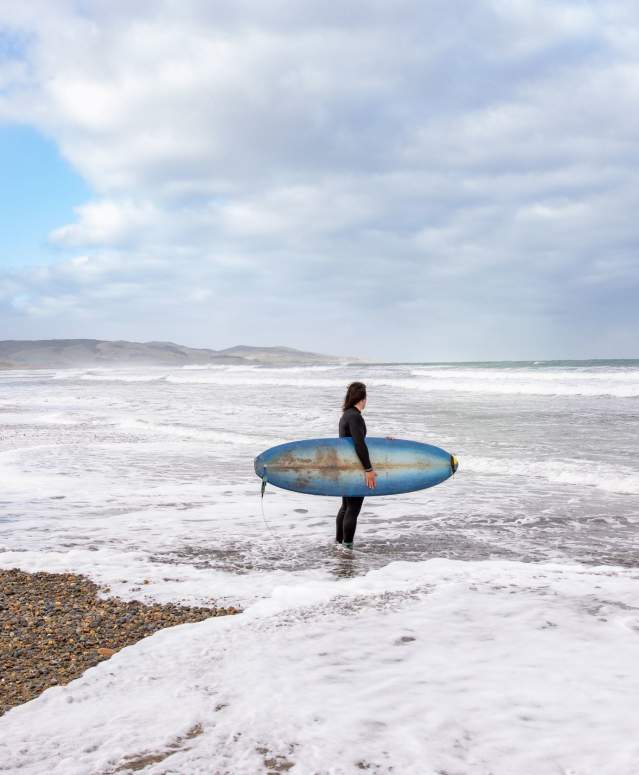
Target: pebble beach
(54,626)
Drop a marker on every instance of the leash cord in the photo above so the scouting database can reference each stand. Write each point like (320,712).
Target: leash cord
(273,533)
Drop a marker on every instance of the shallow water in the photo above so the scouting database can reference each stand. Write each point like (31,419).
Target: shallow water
(126,474)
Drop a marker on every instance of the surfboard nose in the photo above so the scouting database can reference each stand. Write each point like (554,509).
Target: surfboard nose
(454,463)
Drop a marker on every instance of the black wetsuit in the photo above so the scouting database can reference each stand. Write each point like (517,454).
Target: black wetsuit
(352,424)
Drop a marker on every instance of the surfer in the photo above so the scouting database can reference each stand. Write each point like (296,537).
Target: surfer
(352,425)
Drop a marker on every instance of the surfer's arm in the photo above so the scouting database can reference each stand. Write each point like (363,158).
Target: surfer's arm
(357,432)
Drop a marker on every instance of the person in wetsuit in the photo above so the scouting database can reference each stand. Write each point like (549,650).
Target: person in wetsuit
(352,424)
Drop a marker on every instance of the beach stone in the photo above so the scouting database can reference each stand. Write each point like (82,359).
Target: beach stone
(54,627)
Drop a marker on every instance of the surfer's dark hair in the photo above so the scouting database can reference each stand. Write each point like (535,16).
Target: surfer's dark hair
(355,393)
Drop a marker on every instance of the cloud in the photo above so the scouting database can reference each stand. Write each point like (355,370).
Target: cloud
(407,180)
(106,223)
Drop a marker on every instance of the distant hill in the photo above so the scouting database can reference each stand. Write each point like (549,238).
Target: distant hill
(80,353)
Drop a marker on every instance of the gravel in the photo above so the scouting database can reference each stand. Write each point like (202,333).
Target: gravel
(53,626)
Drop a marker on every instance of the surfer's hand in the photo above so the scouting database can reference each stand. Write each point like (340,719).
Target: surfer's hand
(370,477)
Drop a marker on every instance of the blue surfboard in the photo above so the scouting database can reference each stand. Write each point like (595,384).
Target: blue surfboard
(331,466)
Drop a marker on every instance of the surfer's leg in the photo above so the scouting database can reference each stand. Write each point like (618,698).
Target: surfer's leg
(353,507)
(339,523)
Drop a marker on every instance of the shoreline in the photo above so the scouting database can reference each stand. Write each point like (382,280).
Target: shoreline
(54,626)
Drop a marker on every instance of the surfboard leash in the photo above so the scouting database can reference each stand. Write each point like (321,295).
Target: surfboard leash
(285,549)
(264,483)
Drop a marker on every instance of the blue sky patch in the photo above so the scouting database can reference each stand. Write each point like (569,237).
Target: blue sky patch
(38,191)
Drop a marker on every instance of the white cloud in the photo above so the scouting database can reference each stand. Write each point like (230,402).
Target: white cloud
(358,165)
(106,223)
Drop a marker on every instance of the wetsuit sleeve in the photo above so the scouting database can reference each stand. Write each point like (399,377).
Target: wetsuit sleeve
(357,432)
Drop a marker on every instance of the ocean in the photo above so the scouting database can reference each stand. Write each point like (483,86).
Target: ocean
(497,609)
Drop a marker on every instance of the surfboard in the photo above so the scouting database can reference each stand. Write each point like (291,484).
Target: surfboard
(331,466)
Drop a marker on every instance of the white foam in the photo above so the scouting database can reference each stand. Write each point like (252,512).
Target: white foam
(35,418)
(220,367)
(617,478)
(19,483)
(142,426)
(114,376)
(257,377)
(260,369)
(419,668)
(622,383)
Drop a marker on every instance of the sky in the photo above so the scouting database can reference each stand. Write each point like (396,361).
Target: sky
(417,180)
